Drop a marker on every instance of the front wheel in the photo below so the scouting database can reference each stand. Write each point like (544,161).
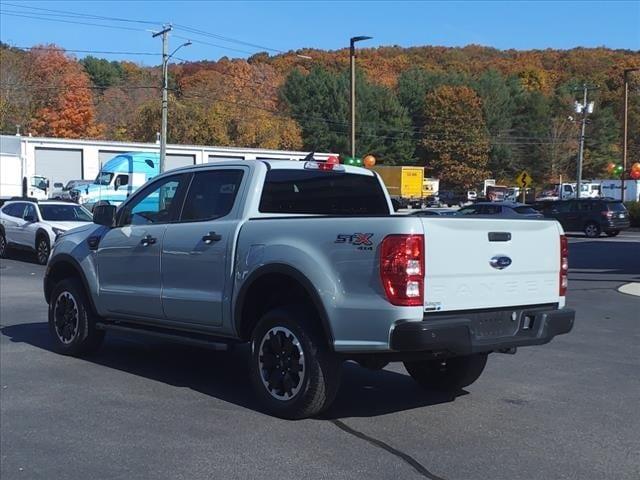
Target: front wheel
(293,372)
(449,375)
(71,320)
(43,249)
(612,233)
(3,245)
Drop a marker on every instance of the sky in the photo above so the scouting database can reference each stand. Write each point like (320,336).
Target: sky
(250,27)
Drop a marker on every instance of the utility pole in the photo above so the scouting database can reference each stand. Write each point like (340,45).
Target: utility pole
(627,71)
(352,62)
(585,109)
(165,86)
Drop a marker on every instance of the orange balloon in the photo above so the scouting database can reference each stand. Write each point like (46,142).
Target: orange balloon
(635,166)
(369,161)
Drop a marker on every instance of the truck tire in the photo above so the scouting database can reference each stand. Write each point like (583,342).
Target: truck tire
(592,230)
(449,375)
(43,249)
(293,372)
(72,323)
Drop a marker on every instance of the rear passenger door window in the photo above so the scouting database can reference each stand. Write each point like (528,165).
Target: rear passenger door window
(211,195)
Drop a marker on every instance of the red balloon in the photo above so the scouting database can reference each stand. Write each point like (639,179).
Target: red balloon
(635,174)
(333,159)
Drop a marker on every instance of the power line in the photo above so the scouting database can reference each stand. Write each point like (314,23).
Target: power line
(202,42)
(117,27)
(226,39)
(80,15)
(97,52)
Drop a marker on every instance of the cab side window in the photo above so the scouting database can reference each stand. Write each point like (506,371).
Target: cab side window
(160,202)
(211,195)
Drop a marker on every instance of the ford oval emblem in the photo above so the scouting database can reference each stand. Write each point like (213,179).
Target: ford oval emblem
(500,262)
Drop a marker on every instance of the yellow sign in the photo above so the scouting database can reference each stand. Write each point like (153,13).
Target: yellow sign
(524,180)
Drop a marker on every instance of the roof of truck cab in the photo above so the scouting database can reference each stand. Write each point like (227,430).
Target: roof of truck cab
(271,164)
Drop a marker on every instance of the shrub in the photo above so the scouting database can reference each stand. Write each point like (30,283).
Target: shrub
(634,213)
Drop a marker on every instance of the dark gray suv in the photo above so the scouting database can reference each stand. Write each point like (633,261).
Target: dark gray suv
(591,216)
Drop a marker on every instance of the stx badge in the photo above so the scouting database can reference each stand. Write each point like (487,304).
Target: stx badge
(361,240)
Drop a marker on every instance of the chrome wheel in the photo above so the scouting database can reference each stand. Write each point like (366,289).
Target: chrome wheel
(66,317)
(43,251)
(281,363)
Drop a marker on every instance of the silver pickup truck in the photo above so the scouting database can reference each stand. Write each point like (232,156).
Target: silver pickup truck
(308,263)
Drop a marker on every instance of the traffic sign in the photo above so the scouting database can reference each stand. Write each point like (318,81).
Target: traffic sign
(523,180)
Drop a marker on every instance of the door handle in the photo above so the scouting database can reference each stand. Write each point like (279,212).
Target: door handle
(147,240)
(211,237)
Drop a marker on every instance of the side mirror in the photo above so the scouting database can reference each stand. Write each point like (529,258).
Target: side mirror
(29,219)
(104,215)
(47,184)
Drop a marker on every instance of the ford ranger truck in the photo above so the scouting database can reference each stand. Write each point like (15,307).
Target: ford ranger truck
(307,263)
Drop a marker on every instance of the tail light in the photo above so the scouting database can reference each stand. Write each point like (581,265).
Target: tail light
(607,214)
(402,269)
(564,265)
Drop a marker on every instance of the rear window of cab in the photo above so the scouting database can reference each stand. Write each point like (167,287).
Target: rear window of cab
(322,193)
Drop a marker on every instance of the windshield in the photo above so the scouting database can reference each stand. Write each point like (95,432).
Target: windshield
(64,213)
(104,178)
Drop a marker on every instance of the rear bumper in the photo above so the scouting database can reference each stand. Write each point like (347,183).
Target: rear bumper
(475,332)
(616,224)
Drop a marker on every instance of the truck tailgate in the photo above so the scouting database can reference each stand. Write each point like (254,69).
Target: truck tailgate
(459,272)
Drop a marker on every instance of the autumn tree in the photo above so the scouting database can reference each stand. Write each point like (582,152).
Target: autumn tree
(455,136)
(62,96)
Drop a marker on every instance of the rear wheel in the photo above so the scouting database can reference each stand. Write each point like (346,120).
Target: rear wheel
(43,249)
(612,233)
(71,320)
(592,230)
(450,375)
(293,372)
(3,245)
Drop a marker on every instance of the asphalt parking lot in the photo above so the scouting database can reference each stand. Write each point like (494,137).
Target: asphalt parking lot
(140,409)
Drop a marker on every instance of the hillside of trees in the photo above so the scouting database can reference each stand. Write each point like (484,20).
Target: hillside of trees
(464,113)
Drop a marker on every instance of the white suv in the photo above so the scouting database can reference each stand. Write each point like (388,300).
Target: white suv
(35,225)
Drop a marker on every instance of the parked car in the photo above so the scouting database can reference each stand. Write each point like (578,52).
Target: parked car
(29,224)
(441,212)
(307,263)
(591,216)
(501,209)
(452,198)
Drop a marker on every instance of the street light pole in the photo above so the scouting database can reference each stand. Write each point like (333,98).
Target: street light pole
(165,89)
(352,62)
(165,100)
(585,108)
(627,71)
